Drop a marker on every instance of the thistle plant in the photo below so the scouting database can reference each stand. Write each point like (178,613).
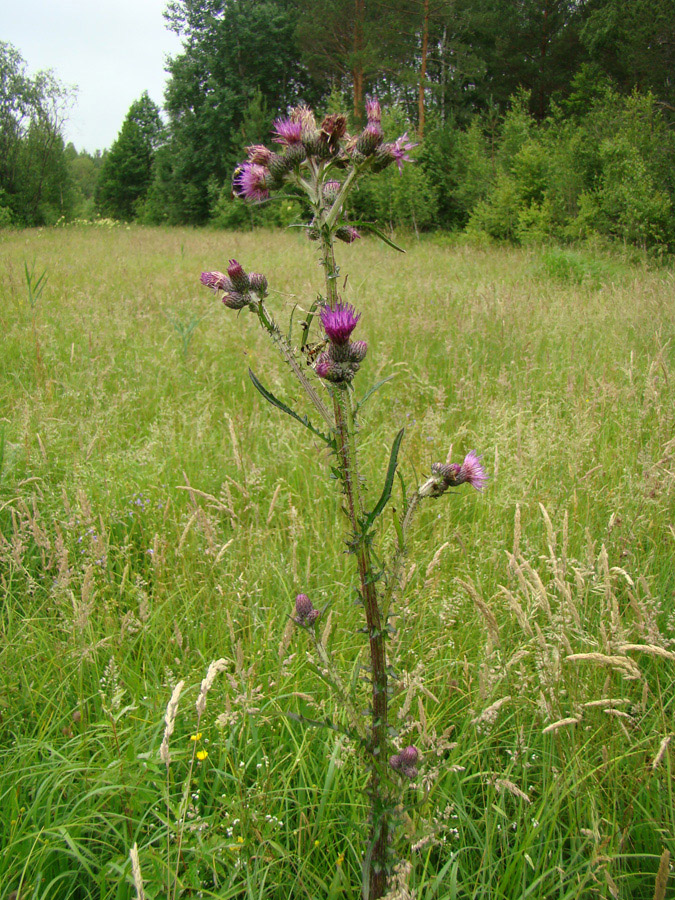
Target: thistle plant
(321,164)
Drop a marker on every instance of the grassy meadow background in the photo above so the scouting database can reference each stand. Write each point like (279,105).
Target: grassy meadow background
(156,515)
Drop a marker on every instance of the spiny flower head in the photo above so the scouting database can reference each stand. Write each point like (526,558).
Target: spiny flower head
(251,181)
(347,233)
(339,321)
(405,762)
(287,132)
(373,110)
(305,613)
(238,277)
(470,472)
(398,151)
(259,155)
(216,281)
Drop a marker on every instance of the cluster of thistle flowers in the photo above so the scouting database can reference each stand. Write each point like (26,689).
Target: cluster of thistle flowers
(240,289)
(306,143)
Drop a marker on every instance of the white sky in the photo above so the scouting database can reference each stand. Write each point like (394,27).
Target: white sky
(112,50)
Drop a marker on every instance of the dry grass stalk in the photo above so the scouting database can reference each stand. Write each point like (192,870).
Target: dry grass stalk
(170,723)
(621,663)
(218,665)
(648,648)
(490,712)
(484,609)
(136,872)
(662,876)
(503,784)
(516,532)
(658,759)
(273,503)
(517,610)
(433,565)
(561,723)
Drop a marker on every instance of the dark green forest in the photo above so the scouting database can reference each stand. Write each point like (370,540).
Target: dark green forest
(535,119)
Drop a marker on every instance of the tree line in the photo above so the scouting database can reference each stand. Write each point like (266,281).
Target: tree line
(535,118)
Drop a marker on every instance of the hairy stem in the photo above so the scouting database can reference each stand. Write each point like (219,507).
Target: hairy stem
(289,356)
(377,744)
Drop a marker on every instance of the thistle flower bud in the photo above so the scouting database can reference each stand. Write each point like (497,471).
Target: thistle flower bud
(258,284)
(370,139)
(347,233)
(305,613)
(259,155)
(216,281)
(333,128)
(238,277)
(357,351)
(236,300)
(331,189)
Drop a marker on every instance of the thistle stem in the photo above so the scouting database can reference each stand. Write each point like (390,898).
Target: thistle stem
(345,433)
(377,744)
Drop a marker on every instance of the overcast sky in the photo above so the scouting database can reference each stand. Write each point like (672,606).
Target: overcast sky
(112,50)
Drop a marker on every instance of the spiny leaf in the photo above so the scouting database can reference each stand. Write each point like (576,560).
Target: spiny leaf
(388,482)
(269,396)
(376,231)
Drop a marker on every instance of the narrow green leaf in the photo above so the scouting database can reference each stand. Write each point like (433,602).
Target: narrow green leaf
(388,482)
(269,396)
(307,323)
(376,231)
(371,391)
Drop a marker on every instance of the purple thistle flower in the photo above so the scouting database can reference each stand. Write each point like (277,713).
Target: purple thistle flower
(216,281)
(251,182)
(287,132)
(373,111)
(472,471)
(399,150)
(405,762)
(339,322)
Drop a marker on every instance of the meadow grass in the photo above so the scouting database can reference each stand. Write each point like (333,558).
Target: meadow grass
(156,515)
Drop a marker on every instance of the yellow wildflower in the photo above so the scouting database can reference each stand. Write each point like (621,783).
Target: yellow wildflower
(196,737)
(202,754)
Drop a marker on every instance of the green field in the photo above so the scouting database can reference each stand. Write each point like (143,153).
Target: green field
(156,514)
